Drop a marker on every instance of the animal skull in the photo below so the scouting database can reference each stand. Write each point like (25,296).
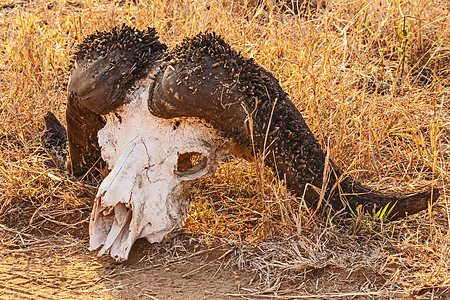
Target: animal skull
(145,194)
(127,94)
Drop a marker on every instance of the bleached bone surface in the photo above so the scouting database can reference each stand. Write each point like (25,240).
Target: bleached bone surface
(145,194)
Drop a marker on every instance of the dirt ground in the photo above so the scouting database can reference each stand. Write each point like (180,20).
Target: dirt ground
(63,268)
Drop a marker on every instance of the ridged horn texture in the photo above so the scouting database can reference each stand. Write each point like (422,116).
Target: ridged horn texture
(206,78)
(107,65)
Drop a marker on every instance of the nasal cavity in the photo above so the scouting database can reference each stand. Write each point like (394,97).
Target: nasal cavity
(190,163)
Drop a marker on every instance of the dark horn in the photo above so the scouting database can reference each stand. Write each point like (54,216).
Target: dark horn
(107,65)
(206,78)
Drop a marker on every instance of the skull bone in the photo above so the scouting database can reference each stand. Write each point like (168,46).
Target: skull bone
(145,195)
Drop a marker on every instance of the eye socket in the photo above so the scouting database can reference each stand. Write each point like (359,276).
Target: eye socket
(190,163)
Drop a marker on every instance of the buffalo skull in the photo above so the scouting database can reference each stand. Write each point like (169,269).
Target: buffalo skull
(160,119)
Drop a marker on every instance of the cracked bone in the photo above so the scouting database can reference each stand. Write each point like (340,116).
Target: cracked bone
(145,194)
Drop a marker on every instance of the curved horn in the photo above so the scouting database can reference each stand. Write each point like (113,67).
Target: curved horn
(206,78)
(107,65)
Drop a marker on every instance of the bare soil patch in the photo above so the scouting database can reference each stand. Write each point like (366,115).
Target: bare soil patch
(62,268)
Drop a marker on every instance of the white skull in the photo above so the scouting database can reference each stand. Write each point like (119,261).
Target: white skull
(146,193)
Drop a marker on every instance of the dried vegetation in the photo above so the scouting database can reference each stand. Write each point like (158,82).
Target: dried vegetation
(372,80)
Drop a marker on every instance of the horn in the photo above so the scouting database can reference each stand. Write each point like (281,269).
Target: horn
(206,78)
(107,65)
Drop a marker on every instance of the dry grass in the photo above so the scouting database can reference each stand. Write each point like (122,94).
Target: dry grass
(371,78)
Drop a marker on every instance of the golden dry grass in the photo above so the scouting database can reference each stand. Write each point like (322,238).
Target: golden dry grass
(371,78)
